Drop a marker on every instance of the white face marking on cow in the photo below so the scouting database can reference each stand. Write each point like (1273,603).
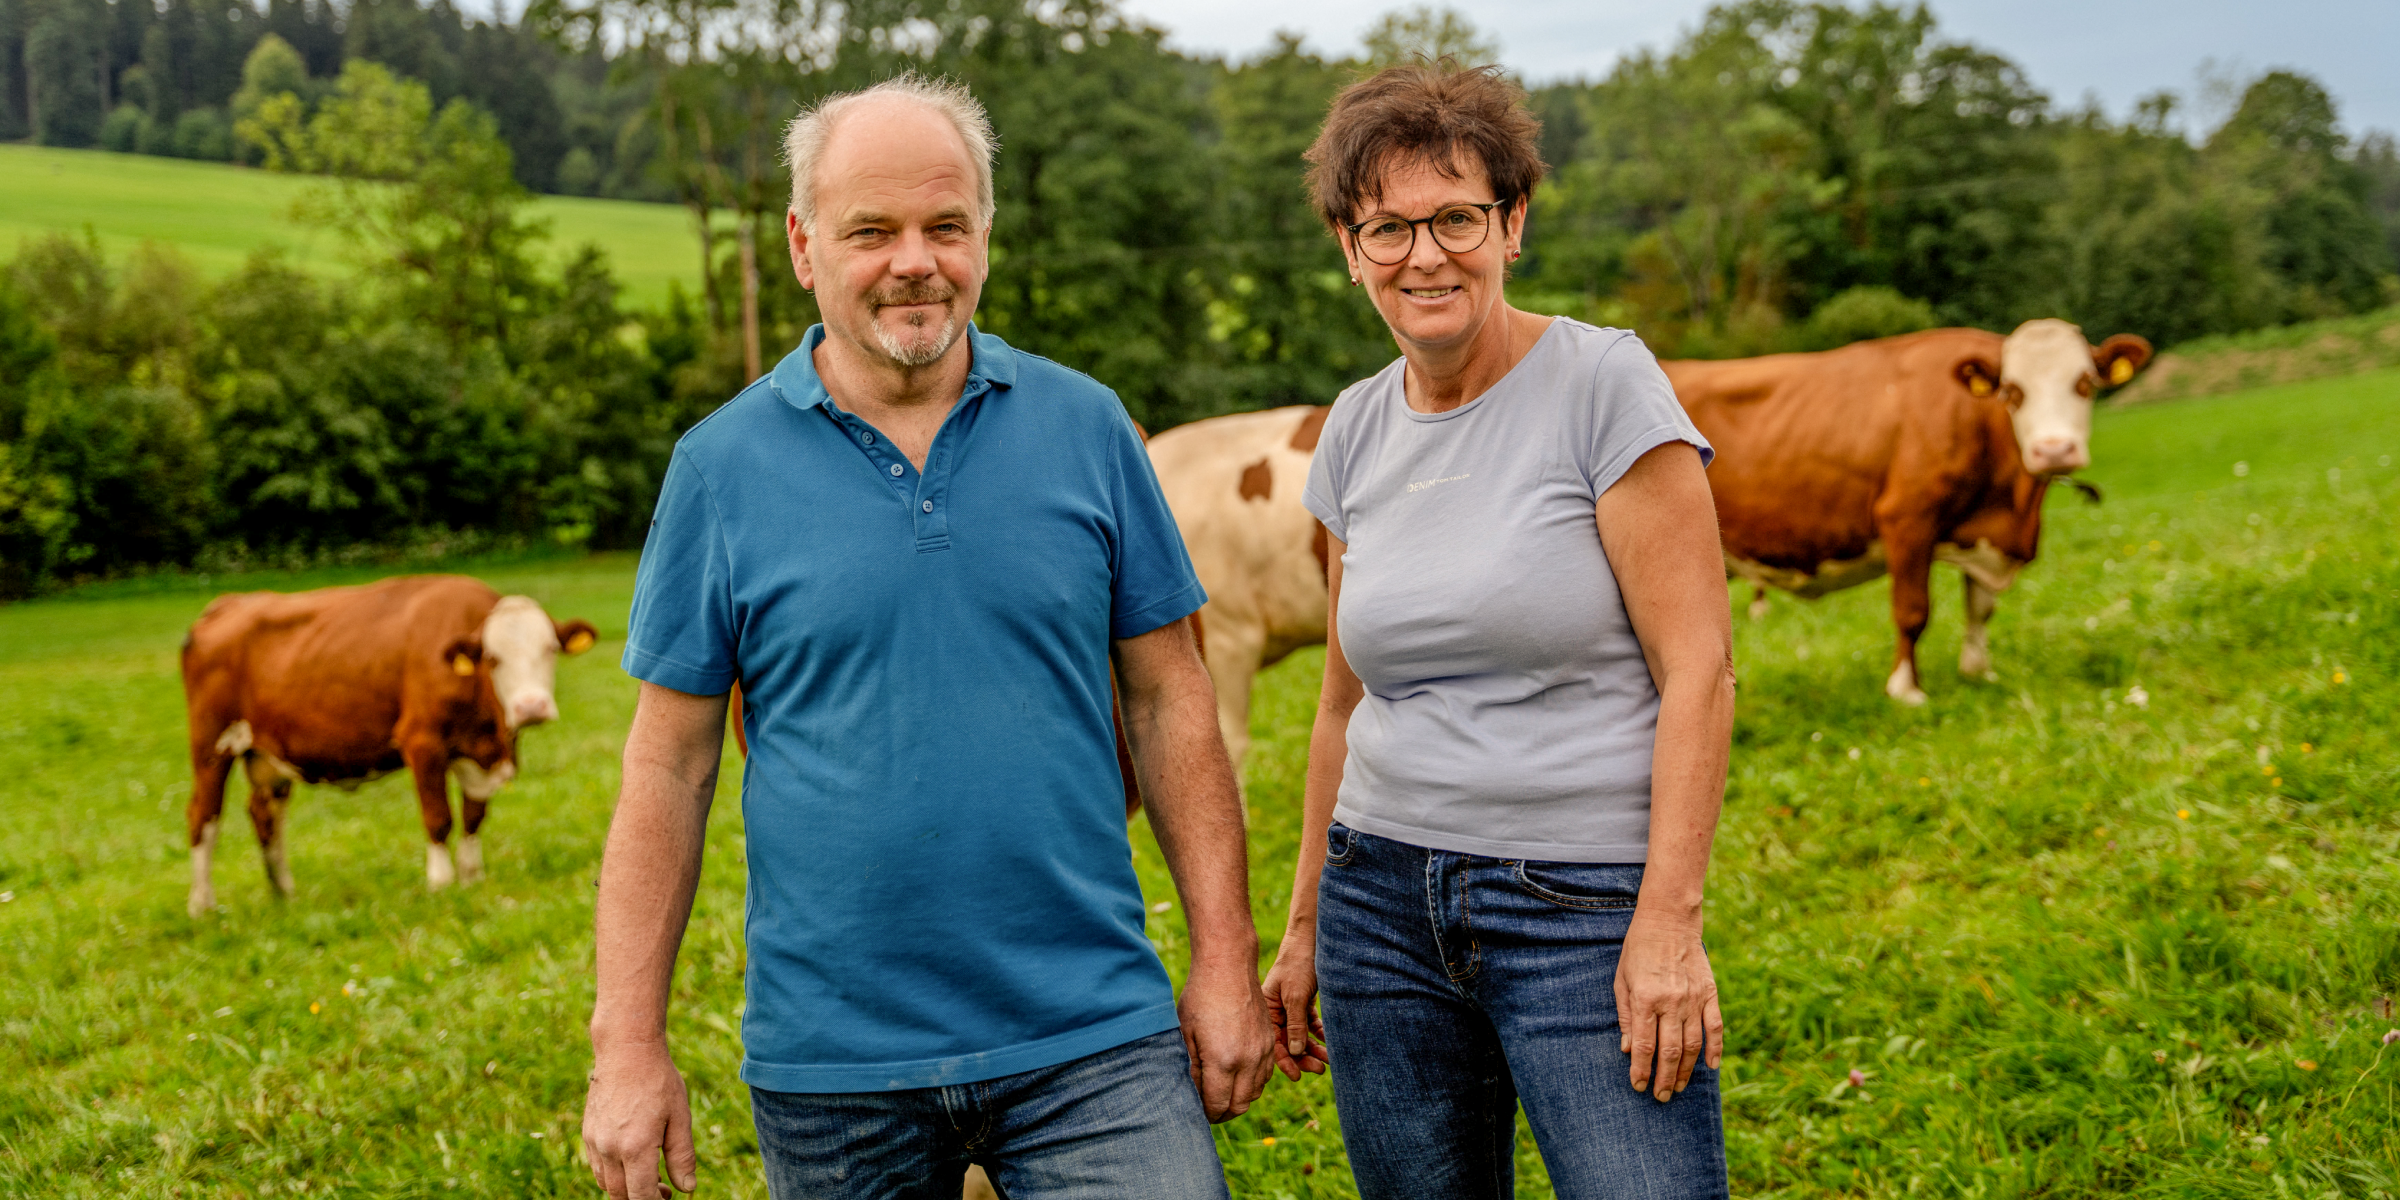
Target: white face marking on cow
(2047,377)
(520,645)
(470,858)
(438,874)
(204,896)
(475,783)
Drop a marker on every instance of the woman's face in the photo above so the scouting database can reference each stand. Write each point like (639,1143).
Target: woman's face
(1435,298)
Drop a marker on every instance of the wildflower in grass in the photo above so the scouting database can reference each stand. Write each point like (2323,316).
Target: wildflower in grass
(2275,782)
(2306,748)
(2183,814)
(2136,697)
(1858,1078)
(1266,1141)
(2100,832)
(2305,1064)
(315,1006)
(2338,677)
(1924,781)
(2390,1036)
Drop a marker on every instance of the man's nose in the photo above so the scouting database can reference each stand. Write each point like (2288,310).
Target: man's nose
(913,257)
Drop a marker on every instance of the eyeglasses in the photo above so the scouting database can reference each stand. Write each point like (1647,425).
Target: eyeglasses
(1388,241)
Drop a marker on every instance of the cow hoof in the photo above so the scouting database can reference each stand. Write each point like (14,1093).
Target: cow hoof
(200,903)
(1758,609)
(438,872)
(1913,697)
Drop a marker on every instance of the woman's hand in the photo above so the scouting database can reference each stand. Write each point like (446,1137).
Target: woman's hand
(1666,1004)
(1291,989)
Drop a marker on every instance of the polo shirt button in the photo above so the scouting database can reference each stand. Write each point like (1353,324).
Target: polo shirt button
(866,439)
(929,506)
(896,469)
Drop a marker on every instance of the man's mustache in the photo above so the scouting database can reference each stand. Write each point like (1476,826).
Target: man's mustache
(913,295)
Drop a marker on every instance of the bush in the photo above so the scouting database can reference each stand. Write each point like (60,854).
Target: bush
(203,133)
(122,130)
(1862,313)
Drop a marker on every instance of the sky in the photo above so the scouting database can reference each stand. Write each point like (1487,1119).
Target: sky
(2115,50)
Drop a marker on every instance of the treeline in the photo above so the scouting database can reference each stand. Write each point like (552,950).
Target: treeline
(1786,176)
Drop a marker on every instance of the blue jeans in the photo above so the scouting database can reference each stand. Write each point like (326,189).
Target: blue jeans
(1453,987)
(1123,1122)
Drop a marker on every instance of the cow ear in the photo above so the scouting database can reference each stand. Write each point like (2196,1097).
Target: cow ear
(1978,375)
(577,636)
(464,655)
(2120,358)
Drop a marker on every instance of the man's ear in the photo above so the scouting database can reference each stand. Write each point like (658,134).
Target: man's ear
(576,636)
(2120,358)
(464,655)
(795,234)
(1979,376)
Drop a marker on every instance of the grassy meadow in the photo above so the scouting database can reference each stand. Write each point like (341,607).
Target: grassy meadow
(218,213)
(2125,921)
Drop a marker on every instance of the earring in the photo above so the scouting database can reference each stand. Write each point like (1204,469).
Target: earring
(1354,281)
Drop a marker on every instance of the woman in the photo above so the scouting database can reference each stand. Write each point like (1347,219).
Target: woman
(1520,749)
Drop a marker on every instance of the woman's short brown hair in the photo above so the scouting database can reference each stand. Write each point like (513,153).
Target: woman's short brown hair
(1452,117)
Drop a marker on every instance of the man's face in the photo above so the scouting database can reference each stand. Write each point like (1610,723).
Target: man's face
(900,251)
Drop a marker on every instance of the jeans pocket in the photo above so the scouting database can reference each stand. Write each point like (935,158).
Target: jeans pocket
(1340,840)
(1591,887)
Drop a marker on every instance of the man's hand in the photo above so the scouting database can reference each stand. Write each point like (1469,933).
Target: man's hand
(635,1111)
(1291,993)
(1226,1031)
(1667,1005)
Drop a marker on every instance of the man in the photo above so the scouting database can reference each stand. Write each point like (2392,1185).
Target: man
(916,552)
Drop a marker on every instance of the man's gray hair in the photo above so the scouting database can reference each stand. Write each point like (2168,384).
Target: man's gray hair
(805,139)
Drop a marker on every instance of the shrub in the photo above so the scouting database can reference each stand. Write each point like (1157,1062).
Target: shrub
(1862,313)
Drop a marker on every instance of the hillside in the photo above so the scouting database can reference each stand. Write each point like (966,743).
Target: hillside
(218,214)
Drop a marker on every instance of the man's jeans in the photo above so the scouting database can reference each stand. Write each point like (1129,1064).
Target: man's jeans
(1120,1123)
(1455,986)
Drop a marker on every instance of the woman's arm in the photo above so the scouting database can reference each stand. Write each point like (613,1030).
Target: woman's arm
(1658,525)
(1291,985)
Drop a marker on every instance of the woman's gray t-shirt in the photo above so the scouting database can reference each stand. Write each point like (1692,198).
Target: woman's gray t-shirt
(1508,710)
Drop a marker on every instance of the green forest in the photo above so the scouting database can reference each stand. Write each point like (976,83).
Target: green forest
(1784,176)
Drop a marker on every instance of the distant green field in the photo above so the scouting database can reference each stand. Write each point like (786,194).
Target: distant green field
(2125,922)
(218,214)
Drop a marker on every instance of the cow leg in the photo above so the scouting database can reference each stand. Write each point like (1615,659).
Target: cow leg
(431,770)
(1911,561)
(209,769)
(270,796)
(1232,653)
(1974,651)
(470,851)
(1758,602)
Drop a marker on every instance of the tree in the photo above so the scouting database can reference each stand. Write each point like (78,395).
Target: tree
(1427,33)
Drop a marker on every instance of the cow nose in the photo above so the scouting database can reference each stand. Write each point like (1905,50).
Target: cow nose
(2053,454)
(533,710)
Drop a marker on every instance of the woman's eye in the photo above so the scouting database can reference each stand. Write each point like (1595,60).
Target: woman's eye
(1384,228)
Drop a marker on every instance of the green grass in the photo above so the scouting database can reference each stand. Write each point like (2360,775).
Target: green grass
(2078,944)
(217,214)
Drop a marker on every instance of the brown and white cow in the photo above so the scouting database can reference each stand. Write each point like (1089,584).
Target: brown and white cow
(435,673)
(1234,484)
(1887,456)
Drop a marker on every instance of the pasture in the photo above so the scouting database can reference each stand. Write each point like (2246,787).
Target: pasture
(218,214)
(2125,921)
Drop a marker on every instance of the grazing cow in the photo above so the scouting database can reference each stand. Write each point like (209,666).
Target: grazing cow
(1889,455)
(435,673)
(1234,484)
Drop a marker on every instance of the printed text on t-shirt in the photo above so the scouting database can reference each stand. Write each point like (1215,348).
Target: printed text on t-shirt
(1422,484)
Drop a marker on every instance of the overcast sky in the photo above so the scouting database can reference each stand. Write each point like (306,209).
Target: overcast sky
(2117,50)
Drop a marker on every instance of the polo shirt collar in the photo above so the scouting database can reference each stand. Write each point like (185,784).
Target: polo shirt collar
(795,379)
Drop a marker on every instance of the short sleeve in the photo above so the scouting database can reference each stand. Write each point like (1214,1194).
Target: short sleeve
(681,633)
(1153,573)
(1322,496)
(1633,410)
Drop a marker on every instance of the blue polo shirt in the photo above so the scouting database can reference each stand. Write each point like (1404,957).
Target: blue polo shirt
(941,890)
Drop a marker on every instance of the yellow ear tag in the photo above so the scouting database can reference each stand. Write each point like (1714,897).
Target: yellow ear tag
(1980,386)
(2120,370)
(462,665)
(579,642)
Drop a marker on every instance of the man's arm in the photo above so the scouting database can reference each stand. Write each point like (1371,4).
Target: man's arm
(637,1108)
(1187,783)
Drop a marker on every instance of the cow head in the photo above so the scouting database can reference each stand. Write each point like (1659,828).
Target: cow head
(2047,376)
(519,647)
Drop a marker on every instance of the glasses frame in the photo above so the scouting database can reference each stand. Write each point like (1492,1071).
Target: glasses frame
(1426,223)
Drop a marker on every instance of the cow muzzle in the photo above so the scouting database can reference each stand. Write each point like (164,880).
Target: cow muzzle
(2056,455)
(532,710)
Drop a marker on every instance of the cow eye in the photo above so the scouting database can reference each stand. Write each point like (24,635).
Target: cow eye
(2013,396)
(2084,387)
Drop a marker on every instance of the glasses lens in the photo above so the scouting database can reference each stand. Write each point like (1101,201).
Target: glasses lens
(1460,229)
(1385,240)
